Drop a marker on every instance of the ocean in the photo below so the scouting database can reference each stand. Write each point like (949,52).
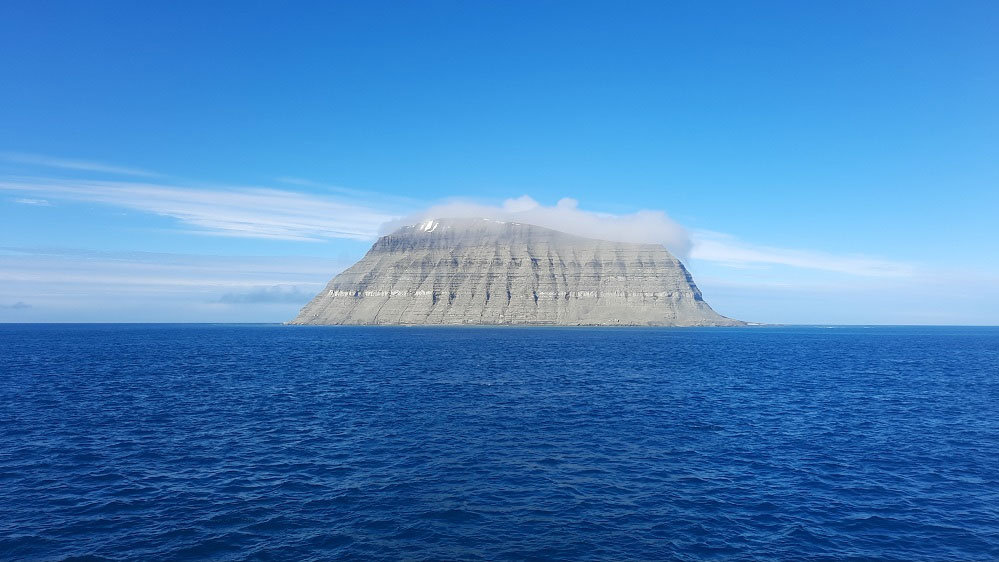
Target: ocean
(269,442)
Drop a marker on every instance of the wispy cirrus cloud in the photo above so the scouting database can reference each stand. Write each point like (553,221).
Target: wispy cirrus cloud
(336,212)
(154,271)
(269,294)
(74,164)
(229,211)
(727,250)
(372,197)
(65,284)
(35,202)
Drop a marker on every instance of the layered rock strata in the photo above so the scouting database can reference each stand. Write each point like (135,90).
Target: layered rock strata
(480,271)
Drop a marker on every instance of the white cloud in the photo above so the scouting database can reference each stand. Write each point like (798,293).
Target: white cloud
(727,250)
(77,285)
(970,298)
(73,164)
(159,271)
(281,214)
(35,202)
(650,227)
(242,211)
(270,294)
(358,194)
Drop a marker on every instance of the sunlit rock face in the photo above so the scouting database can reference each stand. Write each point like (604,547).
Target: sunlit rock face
(480,271)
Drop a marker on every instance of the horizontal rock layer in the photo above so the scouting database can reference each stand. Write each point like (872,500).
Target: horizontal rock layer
(478,271)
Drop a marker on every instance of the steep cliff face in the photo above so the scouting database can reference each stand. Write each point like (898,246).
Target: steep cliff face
(479,271)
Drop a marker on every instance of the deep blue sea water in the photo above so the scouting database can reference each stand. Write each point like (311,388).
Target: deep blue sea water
(288,443)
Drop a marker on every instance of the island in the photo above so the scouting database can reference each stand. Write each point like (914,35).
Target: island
(463,271)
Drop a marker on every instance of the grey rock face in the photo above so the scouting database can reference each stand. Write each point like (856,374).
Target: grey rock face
(479,271)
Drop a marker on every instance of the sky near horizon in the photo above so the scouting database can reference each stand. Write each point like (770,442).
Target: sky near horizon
(811,162)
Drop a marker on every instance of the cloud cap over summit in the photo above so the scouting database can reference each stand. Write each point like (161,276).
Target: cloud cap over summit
(645,226)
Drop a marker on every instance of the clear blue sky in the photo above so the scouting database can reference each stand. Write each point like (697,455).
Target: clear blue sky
(832,162)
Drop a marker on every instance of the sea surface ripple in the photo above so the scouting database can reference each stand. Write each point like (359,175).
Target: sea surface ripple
(164,442)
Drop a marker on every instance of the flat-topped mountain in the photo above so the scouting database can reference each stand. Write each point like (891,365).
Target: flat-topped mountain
(481,271)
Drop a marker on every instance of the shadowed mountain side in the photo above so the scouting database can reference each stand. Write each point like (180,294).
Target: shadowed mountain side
(480,271)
